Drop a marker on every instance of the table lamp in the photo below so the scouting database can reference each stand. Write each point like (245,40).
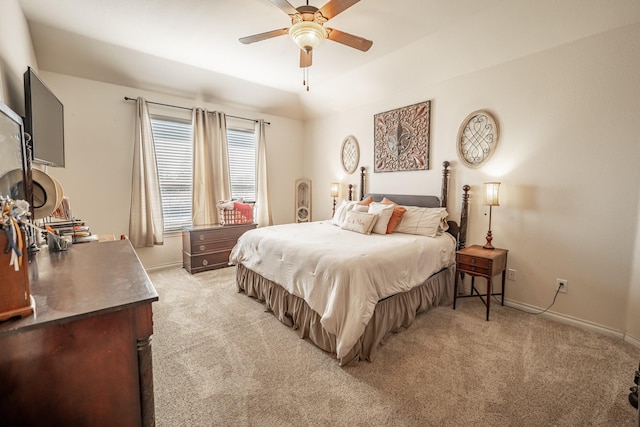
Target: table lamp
(491,199)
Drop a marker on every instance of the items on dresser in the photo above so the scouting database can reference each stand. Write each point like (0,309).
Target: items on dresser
(207,247)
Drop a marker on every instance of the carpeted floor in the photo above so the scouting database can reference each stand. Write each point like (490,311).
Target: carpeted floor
(221,360)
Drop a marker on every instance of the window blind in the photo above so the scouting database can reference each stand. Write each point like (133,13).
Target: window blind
(242,163)
(174,153)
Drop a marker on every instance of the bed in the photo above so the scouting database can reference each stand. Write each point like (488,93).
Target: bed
(342,290)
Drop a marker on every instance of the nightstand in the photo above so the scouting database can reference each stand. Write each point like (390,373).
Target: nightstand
(477,261)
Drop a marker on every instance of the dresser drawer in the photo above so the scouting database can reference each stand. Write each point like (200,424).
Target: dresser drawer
(210,260)
(212,246)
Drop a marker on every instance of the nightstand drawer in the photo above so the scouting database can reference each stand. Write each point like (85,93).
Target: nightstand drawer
(474,261)
(474,269)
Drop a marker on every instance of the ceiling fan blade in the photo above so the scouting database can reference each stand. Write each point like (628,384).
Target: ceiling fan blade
(334,7)
(306,57)
(285,6)
(349,39)
(263,36)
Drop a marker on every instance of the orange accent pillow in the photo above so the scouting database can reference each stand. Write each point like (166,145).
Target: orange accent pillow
(366,202)
(396,217)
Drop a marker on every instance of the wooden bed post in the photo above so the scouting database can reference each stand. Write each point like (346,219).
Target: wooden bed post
(462,237)
(350,192)
(362,183)
(445,184)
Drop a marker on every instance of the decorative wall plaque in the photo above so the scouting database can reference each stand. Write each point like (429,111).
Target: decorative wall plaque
(477,138)
(401,138)
(350,154)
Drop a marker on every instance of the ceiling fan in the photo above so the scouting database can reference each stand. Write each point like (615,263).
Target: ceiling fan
(308,31)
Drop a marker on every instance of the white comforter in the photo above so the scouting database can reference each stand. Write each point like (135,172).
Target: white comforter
(342,274)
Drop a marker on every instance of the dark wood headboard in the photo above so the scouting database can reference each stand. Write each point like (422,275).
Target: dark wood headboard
(456,229)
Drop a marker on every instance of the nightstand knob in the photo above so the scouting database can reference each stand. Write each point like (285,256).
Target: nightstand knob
(205,262)
(201,237)
(473,261)
(202,247)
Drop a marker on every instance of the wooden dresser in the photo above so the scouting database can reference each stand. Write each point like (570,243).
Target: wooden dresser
(84,356)
(207,247)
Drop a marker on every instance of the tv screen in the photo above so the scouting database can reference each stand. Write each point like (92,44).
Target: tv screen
(44,121)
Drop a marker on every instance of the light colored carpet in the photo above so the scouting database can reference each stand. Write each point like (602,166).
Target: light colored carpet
(221,360)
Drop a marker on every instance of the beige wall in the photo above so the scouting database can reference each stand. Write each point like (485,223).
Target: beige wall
(16,54)
(99,128)
(567,158)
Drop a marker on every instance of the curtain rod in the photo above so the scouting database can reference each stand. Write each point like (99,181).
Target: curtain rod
(126,98)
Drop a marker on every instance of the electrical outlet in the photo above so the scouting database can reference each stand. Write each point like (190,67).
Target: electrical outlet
(511,274)
(561,285)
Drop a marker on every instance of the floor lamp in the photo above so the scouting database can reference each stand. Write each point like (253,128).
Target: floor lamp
(491,199)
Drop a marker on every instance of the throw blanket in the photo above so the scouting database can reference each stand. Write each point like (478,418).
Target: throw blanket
(342,274)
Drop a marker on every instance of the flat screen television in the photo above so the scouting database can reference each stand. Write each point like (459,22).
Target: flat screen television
(44,121)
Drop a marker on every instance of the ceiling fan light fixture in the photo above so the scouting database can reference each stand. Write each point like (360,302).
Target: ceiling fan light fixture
(307,34)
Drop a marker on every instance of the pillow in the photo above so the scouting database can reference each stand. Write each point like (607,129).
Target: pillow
(384,215)
(341,212)
(423,221)
(366,202)
(360,222)
(360,208)
(396,216)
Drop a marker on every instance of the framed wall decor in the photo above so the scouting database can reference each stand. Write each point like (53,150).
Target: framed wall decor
(401,138)
(350,154)
(477,138)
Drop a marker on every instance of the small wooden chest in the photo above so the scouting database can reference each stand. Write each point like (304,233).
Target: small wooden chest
(207,247)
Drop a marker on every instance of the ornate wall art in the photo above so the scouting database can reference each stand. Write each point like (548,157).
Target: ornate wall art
(350,154)
(477,138)
(401,138)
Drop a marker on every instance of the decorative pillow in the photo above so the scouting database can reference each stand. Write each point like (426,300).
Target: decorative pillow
(366,202)
(384,215)
(360,208)
(341,212)
(423,221)
(396,217)
(360,222)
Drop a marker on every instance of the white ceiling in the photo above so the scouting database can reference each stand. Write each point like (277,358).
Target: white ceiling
(191,48)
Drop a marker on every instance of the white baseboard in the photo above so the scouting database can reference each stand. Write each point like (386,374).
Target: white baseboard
(162,266)
(574,321)
(580,323)
(632,340)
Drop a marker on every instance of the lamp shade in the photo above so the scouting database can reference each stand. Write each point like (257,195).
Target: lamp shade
(491,193)
(307,34)
(335,189)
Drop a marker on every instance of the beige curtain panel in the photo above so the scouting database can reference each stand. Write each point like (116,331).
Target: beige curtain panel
(211,182)
(263,204)
(146,224)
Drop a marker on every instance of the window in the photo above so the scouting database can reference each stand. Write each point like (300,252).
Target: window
(242,164)
(173,139)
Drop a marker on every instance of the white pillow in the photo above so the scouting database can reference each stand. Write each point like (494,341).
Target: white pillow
(360,208)
(423,221)
(360,222)
(384,215)
(341,212)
